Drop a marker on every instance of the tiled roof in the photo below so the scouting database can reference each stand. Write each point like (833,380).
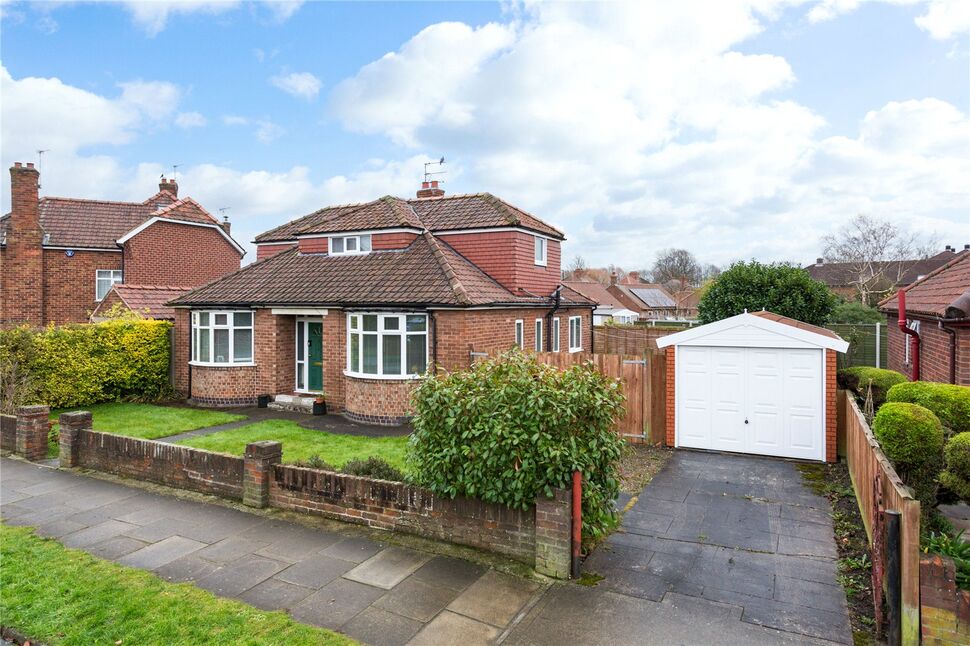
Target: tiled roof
(428,272)
(448,213)
(841,274)
(97,224)
(148,300)
(808,327)
(652,296)
(947,288)
(596,292)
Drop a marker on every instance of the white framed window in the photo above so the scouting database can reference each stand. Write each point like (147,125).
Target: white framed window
(907,346)
(349,245)
(222,337)
(538,335)
(575,333)
(520,334)
(104,279)
(387,346)
(556,328)
(541,248)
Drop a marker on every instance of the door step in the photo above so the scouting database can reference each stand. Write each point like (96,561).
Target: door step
(294,403)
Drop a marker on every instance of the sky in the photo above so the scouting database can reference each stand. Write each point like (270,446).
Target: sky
(742,129)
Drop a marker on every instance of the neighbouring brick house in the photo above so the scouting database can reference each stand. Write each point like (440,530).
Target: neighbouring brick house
(648,300)
(357,301)
(60,257)
(938,309)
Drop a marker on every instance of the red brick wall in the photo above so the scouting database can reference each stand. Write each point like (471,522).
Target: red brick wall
(21,262)
(313,245)
(934,352)
(265,251)
(378,401)
(69,283)
(831,415)
(509,258)
(944,608)
(182,255)
(670,400)
(398,240)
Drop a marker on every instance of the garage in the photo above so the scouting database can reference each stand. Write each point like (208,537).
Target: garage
(756,383)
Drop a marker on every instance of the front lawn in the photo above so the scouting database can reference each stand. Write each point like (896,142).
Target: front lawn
(149,421)
(62,596)
(302,444)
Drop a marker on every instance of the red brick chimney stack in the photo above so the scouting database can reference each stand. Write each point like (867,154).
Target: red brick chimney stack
(170,186)
(430,189)
(22,292)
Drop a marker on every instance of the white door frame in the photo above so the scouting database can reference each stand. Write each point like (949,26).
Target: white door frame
(298,366)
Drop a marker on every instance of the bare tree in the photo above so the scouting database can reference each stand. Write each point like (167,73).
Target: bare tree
(710,272)
(677,266)
(876,254)
(576,268)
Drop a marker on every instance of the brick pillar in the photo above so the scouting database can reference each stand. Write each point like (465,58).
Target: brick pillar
(258,469)
(553,534)
(32,429)
(71,426)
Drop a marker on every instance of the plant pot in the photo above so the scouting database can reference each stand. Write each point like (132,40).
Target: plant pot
(320,408)
(262,401)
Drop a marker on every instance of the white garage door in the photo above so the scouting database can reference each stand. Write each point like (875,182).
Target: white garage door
(751,400)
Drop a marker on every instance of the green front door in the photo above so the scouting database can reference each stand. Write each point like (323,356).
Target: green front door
(315,356)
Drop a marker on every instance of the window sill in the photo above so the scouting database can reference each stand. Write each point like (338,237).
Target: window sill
(575,350)
(206,364)
(361,375)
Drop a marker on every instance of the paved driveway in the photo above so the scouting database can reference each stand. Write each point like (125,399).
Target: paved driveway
(716,545)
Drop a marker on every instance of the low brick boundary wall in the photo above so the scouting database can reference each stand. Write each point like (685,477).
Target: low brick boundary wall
(538,536)
(944,608)
(8,433)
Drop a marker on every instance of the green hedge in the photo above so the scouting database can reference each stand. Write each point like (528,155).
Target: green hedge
(509,429)
(857,380)
(76,365)
(956,477)
(949,402)
(912,438)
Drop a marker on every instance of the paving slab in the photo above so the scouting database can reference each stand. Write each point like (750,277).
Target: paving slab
(296,543)
(230,549)
(273,594)
(96,533)
(158,554)
(114,548)
(316,571)
(234,578)
(388,568)
(495,598)
(187,569)
(451,628)
(454,574)
(378,627)
(355,549)
(416,599)
(336,603)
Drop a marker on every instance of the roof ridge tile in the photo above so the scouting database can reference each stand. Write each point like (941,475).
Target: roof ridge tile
(461,295)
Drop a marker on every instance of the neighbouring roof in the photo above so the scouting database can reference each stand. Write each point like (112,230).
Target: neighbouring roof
(448,213)
(736,331)
(842,274)
(98,224)
(687,298)
(595,292)
(428,272)
(944,293)
(148,300)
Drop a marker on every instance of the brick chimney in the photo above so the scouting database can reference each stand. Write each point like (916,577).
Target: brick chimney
(430,189)
(613,278)
(225,224)
(22,298)
(170,186)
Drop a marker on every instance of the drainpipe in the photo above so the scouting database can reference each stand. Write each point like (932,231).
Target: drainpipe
(434,339)
(913,333)
(953,350)
(557,300)
(189,393)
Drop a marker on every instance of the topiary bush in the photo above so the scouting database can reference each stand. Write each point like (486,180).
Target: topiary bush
(949,402)
(374,467)
(956,476)
(509,429)
(912,438)
(857,380)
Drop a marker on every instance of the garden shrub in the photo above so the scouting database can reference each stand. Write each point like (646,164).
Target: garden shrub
(912,438)
(374,467)
(956,477)
(857,380)
(75,365)
(949,402)
(509,429)
(315,462)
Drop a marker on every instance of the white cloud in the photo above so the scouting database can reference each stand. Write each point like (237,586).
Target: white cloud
(190,120)
(153,15)
(265,130)
(303,85)
(945,19)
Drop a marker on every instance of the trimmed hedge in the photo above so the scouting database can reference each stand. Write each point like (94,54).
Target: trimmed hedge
(857,380)
(76,365)
(912,438)
(956,477)
(949,402)
(509,429)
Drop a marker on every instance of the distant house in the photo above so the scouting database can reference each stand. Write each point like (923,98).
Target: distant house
(687,301)
(146,301)
(648,300)
(843,276)
(608,306)
(60,257)
(938,310)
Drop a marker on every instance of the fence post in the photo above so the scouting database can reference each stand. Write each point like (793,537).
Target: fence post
(893,578)
(257,469)
(878,349)
(32,430)
(71,426)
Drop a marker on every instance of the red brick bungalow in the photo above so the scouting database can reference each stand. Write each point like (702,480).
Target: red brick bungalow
(60,257)
(938,310)
(358,301)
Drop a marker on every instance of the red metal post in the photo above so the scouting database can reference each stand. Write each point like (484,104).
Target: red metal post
(577,521)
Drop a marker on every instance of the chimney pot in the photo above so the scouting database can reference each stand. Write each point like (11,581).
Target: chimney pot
(30,165)
(434,183)
(820,261)
(17,164)
(966,247)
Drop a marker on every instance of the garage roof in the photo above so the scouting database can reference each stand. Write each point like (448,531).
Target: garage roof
(759,329)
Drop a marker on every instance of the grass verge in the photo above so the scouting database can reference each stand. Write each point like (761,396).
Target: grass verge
(302,444)
(63,596)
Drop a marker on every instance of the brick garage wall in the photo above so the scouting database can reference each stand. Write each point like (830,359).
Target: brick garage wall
(831,414)
(670,399)
(934,351)
(166,464)
(405,508)
(944,608)
(182,255)
(265,251)
(509,258)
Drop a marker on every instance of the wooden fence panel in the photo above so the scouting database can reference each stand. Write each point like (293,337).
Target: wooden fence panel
(866,460)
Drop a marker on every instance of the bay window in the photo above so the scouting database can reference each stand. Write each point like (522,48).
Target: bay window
(222,337)
(387,345)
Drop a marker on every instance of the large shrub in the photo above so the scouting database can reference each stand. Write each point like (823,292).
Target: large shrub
(912,438)
(949,402)
(956,477)
(859,378)
(76,365)
(509,429)
(855,312)
(779,288)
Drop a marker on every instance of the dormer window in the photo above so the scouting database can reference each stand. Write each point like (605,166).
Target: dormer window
(349,245)
(540,251)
